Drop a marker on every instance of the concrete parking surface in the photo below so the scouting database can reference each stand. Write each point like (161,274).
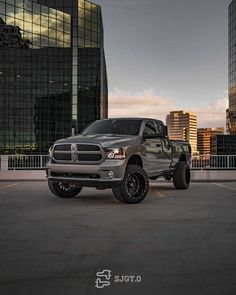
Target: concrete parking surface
(179,242)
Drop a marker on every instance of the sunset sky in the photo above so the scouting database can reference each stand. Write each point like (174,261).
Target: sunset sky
(165,55)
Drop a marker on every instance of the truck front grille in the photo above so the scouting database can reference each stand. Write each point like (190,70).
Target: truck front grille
(87,148)
(90,158)
(63,147)
(75,175)
(62,156)
(78,153)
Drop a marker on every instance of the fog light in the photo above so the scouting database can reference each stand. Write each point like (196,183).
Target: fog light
(111,174)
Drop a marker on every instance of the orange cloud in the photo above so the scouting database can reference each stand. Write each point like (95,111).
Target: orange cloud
(148,104)
(212,115)
(144,104)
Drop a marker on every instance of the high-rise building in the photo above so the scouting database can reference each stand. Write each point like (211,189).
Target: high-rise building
(223,145)
(204,139)
(231,112)
(183,126)
(52,72)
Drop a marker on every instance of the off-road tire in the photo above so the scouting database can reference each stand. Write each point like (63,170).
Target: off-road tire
(182,175)
(134,186)
(63,190)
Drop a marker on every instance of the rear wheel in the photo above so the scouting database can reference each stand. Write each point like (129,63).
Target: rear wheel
(64,190)
(182,175)
(134,186)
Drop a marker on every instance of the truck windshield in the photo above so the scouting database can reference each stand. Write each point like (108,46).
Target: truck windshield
(113,126)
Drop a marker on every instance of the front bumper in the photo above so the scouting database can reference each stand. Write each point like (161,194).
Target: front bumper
(108,173)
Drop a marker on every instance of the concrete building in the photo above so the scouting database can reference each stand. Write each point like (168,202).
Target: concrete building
(183,126)
(53,79)
(204,139)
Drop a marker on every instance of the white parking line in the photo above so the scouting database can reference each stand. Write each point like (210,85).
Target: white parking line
(224,186)
(8,186)
(156,192)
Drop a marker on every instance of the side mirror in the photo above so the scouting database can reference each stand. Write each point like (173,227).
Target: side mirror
(165,131)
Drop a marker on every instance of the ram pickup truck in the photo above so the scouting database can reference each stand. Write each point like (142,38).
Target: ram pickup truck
(122,154)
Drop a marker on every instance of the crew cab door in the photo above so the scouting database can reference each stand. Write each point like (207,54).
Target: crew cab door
(157,149)
(164,147)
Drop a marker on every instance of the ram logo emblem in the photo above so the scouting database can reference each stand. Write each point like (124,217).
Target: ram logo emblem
(73,149)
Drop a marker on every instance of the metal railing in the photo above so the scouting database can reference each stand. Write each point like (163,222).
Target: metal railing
(203,162)
(23,162)
(37,162)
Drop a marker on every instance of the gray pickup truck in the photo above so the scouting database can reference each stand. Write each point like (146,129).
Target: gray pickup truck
(122,154)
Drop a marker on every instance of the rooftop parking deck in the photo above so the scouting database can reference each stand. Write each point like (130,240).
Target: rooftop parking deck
(179,242)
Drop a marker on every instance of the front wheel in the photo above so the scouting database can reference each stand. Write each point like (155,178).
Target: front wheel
(134,186)
(182,175)
(64,190)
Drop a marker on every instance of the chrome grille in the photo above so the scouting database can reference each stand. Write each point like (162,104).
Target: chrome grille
(78,153)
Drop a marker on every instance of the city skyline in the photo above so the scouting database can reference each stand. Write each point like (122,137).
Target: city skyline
(174,60)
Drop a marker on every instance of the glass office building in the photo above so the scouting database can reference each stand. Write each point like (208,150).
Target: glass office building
(231,112)
(222,144)
(52,72)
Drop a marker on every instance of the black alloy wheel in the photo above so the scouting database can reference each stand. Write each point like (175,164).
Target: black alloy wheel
(64,190)
(134,187)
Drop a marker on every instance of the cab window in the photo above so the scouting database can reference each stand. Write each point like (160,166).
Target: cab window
(149,128)
(159,128)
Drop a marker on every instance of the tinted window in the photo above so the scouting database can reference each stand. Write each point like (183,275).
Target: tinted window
(159,127)
(149,128)
(117,127)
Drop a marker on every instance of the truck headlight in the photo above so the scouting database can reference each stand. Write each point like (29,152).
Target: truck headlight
(115,153)
(50,151)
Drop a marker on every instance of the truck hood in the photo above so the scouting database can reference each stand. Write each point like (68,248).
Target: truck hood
(109,140)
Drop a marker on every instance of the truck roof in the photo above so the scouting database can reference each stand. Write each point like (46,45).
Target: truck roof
(133,118)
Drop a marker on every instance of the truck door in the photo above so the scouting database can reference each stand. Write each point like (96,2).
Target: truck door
(151,150)
(164,149)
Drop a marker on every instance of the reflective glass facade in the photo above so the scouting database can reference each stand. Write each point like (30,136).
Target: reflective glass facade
(231,112)
(52,72)
(223,145)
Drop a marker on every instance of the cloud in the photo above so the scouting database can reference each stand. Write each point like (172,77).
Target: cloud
(151,105)
(212,115)
(142,104)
